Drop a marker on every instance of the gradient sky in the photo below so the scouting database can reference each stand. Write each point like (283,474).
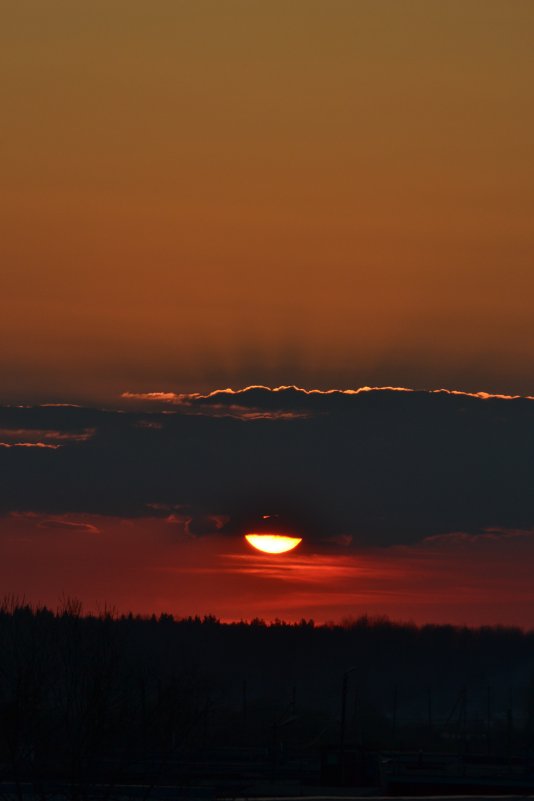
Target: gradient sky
(223,193)
(204,194)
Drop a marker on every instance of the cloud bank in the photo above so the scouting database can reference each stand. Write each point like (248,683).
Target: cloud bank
(341,468)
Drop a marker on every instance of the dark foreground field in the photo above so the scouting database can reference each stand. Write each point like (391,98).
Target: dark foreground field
(95,706)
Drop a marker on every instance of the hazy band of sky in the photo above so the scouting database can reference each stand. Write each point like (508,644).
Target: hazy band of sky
(327,193)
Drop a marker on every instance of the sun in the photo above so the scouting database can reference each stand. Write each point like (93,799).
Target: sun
(272,543)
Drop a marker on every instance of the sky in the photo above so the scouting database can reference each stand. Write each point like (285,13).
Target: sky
(207,194)
(319,194)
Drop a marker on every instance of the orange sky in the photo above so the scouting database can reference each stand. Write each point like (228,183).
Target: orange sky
(152,565)
(327,193)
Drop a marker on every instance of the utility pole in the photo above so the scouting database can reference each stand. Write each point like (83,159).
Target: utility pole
(488,720)
(344,688)
(245,700)
(394,715)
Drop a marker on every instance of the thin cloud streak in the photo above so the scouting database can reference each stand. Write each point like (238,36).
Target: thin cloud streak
(43,437)
(44,445)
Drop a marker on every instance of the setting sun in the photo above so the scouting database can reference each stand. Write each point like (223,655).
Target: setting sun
(272,543)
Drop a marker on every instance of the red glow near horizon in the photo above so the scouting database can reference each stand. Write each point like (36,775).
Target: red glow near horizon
(152,565)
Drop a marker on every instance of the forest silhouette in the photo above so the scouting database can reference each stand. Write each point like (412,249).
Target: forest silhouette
(99,700)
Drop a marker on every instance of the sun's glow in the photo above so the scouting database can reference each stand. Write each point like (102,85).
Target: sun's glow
(272,543)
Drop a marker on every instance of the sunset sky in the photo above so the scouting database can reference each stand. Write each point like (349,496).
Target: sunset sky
(327,194)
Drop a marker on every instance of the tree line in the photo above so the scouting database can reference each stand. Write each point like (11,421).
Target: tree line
(96,700)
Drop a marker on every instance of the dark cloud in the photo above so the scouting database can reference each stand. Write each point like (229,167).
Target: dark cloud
(374,466)
(286,402)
